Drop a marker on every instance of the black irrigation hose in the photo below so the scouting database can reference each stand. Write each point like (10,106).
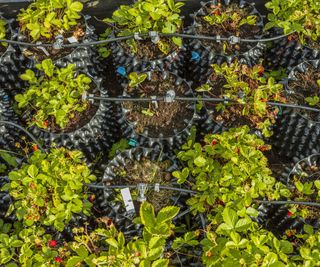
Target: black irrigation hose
(124,99)
(25,131)
(122,38)
(135,186)
(193,192)
(284,202)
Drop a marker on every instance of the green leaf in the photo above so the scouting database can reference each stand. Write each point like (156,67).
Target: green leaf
(252,212)
(167,214)
(9,159)
(147,214)
(112,242)
(308,229)
(171,4)
(33,171)
(230,217)
(73,261)
(200,161)
(28,75)
(160,263)
(243,224)
(76,6)
(47,67)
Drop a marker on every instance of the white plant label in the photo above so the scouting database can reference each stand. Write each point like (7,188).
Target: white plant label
(72,40)
(127,199)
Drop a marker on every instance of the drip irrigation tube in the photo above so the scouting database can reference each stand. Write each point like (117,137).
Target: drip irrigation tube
(135,186)
(191,99)
(231,39)
(284,202)
(25,131)
(193,192)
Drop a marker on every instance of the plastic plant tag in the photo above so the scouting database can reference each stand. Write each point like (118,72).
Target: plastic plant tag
(195,56)
(133,142)
(127,199)
(122,71)
(72,40)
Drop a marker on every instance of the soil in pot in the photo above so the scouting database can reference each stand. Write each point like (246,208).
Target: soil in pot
(306,172)
(148,49)
(161,118)
(77,119)
(147,172)
(77,32)
(227,20)
(305,89)
(244,105)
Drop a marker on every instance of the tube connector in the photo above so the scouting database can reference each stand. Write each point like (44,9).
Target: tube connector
(170,96)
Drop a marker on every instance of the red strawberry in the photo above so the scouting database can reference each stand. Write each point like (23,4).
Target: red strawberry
(58,259)
(289,213)
(35,148)
(52,243)
(214,142)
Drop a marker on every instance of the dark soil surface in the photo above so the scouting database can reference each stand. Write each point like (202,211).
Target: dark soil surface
(78,31)
(146,49)
(167,116)
(148,172)
(231,116)
(227,29)
(79,120)
(304,86)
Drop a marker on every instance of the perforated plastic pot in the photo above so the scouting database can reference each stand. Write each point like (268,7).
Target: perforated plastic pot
(85,58)
(277,218)
(201,56)
(287,54)
(8,134)
(166,142)
(12,64)
(297,133)
(126,62)
(93,139)
(114,208)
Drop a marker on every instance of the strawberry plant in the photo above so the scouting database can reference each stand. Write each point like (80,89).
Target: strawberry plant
(228,19)
(238,241)
(144,16)
(228,168)
(29,246)
(49,188)
(3,31)
(251,92)
(54,100)
(301,17)
(45,19)
(147,250)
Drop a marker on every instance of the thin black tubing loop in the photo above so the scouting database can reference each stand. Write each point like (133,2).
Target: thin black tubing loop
(192,192)
(123,38)
(25,131)
(191,99)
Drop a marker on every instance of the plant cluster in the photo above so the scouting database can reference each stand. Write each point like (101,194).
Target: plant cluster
(149,15)
(229,167)
(3,31)
(49,189)
(104,246)
(55,97)
(301,17)
(46,19)
(228,18)
(249,89)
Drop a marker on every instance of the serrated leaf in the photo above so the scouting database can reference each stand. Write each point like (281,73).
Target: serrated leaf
(230,217)
(147,214)
(167,214)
